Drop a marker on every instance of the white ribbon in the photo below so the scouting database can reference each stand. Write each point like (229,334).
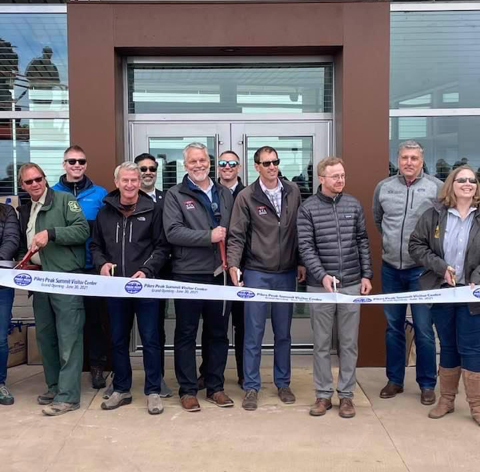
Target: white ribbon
(100,286)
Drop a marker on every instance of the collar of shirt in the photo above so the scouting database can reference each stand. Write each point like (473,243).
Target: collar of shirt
(153,196)
(233,187)
(455,212)
(207,191)
(272,191)
(41,200)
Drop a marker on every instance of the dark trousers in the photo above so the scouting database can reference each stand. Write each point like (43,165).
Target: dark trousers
(96,333)
(162,304)
(122,312)
(215,323)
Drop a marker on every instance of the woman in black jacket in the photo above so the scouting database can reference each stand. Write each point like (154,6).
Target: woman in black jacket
(446,242)
(9,240)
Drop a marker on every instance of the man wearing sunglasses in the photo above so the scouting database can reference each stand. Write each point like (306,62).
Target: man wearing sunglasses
(90,198)
(263,234)
(148,174)
(398,203)
(53,223)
(196,218)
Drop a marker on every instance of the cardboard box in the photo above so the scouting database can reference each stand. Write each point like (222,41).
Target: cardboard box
(34,356)
(12,200)
(17,345)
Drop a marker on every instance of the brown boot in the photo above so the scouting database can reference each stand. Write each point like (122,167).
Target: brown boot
(472,389)
(449,379)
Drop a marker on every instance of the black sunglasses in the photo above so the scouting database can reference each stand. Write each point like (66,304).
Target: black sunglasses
(72,162)
(267,163)
(462,180)
(232,164)
(150,168)
(37,180)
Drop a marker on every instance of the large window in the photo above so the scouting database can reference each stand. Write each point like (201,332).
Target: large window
(34,122)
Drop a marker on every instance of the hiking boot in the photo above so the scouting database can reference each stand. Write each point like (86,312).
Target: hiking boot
(347,409)
(427,396)
(154,404)
(46,398)
(250,402)
(116,400)
(286,395)
(98,380)
(449,380)
(6,398)
(107,393)
(391,390)
(320,407)
(165,390)
(190,403)
(60,408)
(220,399)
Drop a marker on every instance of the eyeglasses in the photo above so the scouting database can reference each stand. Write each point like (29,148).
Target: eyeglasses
(29,182)
(268,163)
(463,180)
(149,168)
(72,162)
(335,177)
(232,164)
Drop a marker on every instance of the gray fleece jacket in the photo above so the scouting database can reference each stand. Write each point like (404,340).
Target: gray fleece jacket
(396,210)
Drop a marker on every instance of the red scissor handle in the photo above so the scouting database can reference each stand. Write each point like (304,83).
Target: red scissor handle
(24,262)
(223,254)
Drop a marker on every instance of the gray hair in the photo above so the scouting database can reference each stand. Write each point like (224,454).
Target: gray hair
(126,166)
(410,144)
(195,146)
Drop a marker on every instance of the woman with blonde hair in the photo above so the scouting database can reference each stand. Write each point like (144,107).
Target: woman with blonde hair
(446,241)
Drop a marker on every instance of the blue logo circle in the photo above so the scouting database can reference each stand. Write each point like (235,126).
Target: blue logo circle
(362,300)
(134,286)
(245,294)
(22,280)
(476,293)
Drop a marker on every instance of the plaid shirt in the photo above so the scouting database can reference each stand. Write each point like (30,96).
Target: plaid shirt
(274,195)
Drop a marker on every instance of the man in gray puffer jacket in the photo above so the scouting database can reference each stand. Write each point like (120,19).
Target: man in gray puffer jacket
(334,247)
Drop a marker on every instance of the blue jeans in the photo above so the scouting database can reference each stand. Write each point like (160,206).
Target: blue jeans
(122,312)
(255,320)
(459,334)
(6,302)
(406,280)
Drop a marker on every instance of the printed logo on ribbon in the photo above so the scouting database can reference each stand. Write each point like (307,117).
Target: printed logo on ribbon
(189,204)
(22,280)
(476,293)
(262,210)
(362,300)
(134,286)
(245,294)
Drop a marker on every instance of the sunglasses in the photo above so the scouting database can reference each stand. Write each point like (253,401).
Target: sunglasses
(72,162)
(267,163)
(463,180)
(149,168)
(37,180)
(232,164)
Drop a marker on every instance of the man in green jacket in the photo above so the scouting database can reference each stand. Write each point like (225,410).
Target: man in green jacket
(53,223)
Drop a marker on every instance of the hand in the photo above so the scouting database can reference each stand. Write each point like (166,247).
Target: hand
(40,240)
(235,274)
(218,234)
(107,269)
(366,286)
(138,275)
(328,282)
(450,276)
(301,273)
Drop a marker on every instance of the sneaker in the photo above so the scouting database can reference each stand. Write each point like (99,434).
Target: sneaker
(347,409)
(98,380)
(154,404)
(220,399)
(250,402)
(60,408)
(107,393)
(46,398)
(286,395)
(116,400)
(320,407)
(165,390)
(190,403)
(6,398)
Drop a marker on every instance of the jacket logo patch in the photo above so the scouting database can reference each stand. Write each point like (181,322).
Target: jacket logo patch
(349,216)
(74,207)
(262,210)
(140,218)
(189,205)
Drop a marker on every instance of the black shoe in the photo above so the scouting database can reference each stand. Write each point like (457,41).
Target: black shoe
(98,380)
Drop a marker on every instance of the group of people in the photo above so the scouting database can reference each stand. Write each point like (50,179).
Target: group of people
(264,237)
